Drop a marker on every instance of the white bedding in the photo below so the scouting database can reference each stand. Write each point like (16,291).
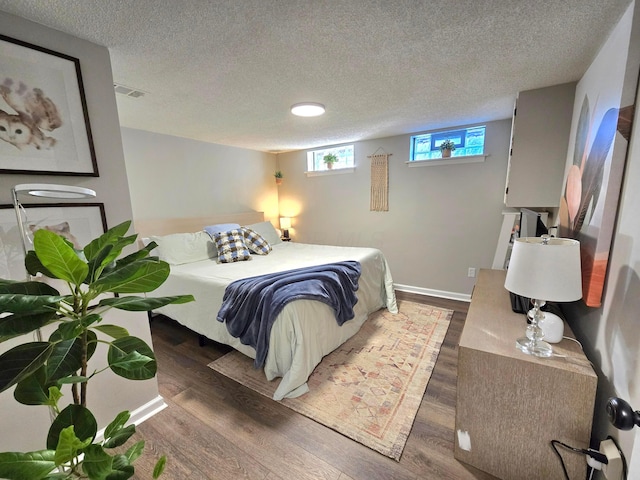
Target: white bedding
(306,330)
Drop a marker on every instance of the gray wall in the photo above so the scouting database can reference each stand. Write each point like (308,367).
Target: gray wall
(28,425)
(172,177)
(441,219)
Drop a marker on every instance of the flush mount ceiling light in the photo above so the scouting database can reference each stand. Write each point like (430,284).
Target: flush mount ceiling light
(307,109)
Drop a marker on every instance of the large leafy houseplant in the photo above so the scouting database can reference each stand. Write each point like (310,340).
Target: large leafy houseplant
(40,369)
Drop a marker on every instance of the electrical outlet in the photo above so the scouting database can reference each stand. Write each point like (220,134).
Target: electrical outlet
(613,469)
(472,272)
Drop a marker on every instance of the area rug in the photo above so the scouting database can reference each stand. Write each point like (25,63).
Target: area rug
(370,388)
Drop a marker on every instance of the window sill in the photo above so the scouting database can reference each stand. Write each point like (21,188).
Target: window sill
(448,161)
(337,171)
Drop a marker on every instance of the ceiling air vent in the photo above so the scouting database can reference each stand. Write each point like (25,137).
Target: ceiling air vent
(129,92)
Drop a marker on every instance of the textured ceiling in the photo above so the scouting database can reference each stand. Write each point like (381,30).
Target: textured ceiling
(227,71)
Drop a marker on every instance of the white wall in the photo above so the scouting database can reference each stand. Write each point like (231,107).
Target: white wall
(441,219)
(25,423)
(611,334)
(176,177)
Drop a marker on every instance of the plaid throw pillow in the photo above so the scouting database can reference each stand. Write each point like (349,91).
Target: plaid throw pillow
(231,246)
(255,242)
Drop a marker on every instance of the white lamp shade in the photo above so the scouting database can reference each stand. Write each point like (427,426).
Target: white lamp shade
(49,190)
(549,272)
(285,223)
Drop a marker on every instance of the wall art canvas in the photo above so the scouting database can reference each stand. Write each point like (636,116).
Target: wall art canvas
(601,127)
(77,222)
(44,124)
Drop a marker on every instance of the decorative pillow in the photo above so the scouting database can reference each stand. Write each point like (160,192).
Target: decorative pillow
(179,248)
(221,227)
(231,246)
(255,242)
(267,231)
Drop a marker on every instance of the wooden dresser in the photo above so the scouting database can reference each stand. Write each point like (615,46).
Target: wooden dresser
(510,405)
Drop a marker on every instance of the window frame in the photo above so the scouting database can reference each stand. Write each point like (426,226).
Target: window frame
(435,137)
(311,160)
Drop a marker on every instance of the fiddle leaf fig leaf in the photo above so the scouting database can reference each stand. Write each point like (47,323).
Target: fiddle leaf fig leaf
(33,390)
(59,258)
(27,466)
(144,304)
(69,445)
(19,324)
(21,361)
(131,358)
(114,331)
(81,418)
(134,452)
(159,468)
(141,276)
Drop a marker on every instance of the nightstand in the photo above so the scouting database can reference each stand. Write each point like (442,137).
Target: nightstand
(510,405)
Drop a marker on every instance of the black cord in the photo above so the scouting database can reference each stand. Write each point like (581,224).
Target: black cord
(624,460)
(600,457)
(555,449)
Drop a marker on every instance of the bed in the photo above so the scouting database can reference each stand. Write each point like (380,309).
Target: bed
(305,330)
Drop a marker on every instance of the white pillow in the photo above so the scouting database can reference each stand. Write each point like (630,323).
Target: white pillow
(180,248)
(267,231)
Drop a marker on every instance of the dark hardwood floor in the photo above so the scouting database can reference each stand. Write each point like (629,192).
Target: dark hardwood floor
(215,428)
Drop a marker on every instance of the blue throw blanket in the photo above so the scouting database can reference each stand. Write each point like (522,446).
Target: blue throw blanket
(250,306)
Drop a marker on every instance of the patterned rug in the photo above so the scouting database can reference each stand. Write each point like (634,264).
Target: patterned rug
(370,388)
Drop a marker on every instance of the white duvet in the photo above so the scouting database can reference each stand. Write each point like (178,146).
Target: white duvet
(305,331)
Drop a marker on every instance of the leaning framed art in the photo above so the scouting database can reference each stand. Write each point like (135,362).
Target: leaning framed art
(44,122)
(77,222)
(600,133)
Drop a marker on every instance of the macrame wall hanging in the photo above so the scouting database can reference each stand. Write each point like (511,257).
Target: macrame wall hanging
(379,182)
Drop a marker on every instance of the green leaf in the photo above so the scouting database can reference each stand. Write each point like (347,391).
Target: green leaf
(114,331)
(26,466)
(91,319)
(33,390)
(119,422)
(21,323)
(72,379)
(67,330)
(144,304)
(69,445)
(159,468)
(98,262)
(65,359)
(120,437)
(132,358)
(138,277)
(59,258)
(135,451)
(97,463)
(21,361)
(32,304)
(110,237)
(34,266)
(83,421)
(121,469)
(28,288)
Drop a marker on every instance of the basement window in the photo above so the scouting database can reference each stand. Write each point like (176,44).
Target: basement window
(345,160)
(469,142)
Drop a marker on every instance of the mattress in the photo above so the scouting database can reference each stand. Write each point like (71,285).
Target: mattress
(305,331)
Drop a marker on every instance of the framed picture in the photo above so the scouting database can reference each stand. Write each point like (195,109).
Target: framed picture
(44,124)
(77,222)
(600,132)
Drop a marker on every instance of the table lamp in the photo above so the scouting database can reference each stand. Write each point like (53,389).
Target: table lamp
(543,269)
(285,225)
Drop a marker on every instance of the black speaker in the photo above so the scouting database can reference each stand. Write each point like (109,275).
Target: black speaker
(621,415)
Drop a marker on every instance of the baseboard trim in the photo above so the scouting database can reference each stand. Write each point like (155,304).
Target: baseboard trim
(140,414)
(433,293)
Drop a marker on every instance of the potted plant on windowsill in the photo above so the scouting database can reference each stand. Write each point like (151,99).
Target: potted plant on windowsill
(279,176)
(329,159)
(41,369)
(446,148)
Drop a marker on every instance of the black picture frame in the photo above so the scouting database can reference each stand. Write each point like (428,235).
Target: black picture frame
(44,121)
(85,221)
